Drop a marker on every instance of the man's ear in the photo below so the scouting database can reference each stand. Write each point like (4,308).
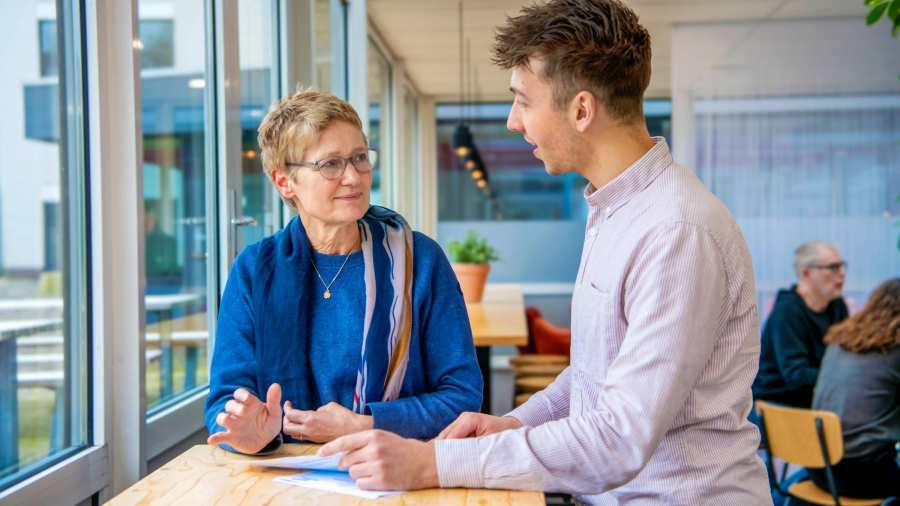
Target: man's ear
(583,110)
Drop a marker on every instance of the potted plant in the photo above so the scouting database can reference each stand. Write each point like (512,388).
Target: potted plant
(471,259)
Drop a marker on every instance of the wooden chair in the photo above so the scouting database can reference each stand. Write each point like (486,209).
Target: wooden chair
(541,361)
(807,438)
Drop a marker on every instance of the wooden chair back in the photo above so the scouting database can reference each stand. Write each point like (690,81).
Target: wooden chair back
(793,435)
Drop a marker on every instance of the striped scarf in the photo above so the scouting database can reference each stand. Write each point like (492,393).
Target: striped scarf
(387,252)
(283,287)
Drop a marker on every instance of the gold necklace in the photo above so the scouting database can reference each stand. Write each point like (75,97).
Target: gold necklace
(327,294)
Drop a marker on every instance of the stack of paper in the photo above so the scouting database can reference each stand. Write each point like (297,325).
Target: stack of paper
(322,473)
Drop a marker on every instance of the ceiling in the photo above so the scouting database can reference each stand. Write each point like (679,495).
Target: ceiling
(424,35)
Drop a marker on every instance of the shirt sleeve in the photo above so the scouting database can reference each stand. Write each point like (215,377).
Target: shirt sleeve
(551,403)
(675,302)
(450,364)
(233,360)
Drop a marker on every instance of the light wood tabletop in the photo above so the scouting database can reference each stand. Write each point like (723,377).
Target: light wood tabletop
(209,475)
(499,319)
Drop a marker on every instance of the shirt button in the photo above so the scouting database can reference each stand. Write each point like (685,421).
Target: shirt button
(593,231)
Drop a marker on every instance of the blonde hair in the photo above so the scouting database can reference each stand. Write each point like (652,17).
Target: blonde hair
(295,122)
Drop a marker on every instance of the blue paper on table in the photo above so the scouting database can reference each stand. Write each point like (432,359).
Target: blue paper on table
(338,482)
(310,462)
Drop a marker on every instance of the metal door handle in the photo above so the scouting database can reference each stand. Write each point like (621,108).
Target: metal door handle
(243,221)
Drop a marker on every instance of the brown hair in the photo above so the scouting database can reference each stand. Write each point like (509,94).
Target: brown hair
(295,122)
(876,327)
(593,45)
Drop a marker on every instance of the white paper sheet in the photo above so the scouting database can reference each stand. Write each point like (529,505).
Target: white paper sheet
(310,462)
(338,482)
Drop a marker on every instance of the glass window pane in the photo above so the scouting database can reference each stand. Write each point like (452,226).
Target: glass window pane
(43,272)
(796,169)
(157,43)
(48,49)
(379,116)
(259,200)
(324,59)
(175,195)
(410,164)
(517,186)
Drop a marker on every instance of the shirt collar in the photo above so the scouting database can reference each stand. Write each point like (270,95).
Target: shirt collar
(632,181)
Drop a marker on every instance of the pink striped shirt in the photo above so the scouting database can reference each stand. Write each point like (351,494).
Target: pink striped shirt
(665,345)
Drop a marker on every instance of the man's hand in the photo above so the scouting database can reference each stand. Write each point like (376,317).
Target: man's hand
(327,423)
(249,423)
(477,424)
(380,460)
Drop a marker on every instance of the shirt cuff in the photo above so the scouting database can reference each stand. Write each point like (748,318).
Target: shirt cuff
(458,463)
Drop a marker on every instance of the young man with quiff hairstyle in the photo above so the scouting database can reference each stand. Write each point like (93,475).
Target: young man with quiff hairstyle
(665,332)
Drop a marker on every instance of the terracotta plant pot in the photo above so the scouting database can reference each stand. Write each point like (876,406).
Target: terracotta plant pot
(472,278)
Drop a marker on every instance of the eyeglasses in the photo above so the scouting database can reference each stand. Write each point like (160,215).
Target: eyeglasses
(333,167)
(833,267)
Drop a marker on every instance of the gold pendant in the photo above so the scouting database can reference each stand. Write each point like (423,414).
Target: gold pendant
(327,294)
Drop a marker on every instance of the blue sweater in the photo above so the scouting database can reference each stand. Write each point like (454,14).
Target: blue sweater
(442,379)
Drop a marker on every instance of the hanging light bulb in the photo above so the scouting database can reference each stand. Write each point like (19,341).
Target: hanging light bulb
(470,164)
(477,174)
(462,140)
(481,183)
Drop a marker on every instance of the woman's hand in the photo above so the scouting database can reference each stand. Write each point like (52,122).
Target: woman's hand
(329,422)
(249,423)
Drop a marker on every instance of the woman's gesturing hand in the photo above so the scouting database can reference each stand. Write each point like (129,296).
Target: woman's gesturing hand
(329,422)
(249,423)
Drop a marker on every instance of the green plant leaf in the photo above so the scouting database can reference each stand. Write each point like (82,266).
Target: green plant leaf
(893,10)
(896,29)
(471,250)
(876,13)
(870,3)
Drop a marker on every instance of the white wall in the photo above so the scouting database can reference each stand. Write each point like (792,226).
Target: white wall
(835,56)
(802,58)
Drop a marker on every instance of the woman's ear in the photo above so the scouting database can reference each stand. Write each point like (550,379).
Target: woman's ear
(282,182)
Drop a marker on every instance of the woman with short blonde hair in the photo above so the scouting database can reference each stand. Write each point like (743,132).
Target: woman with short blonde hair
(346,314)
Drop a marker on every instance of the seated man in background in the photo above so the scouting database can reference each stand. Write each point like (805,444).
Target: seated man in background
(860,381)
(792,345)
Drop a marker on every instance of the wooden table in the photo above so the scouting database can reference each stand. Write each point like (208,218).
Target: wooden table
(498,320)
(209,475)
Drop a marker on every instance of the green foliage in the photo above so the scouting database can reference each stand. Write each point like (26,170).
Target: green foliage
(879,8)
(472,250)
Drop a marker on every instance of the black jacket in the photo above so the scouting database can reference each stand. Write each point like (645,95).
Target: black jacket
(792,349)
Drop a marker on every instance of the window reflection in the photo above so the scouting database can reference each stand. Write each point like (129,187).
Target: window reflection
(175,195)
(379,115)
(258,200)
(43,272)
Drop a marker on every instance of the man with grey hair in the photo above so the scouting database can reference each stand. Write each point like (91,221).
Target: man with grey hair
(792,346)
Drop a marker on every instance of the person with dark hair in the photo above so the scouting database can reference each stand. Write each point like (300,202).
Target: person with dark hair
(860,381)
(665,331)
(792,345)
